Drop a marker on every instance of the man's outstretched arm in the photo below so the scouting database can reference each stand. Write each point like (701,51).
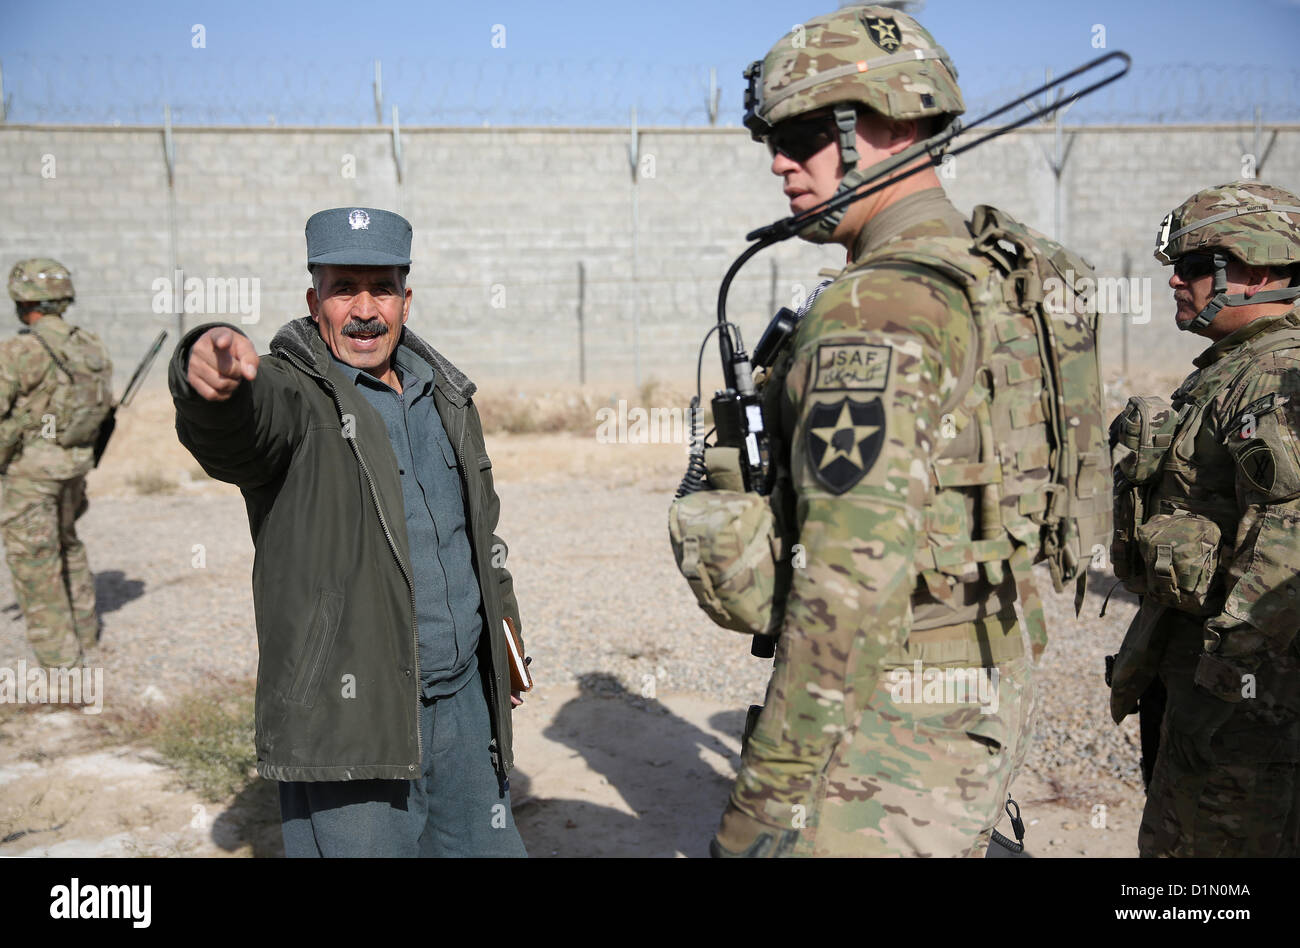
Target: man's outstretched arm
(240,417)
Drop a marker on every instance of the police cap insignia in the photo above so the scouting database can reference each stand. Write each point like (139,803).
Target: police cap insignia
(358,236)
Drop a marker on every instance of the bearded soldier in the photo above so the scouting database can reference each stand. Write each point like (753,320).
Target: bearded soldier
(920,464)
(55,391)
(1207,505)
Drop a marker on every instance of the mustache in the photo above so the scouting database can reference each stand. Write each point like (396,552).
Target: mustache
(357,327)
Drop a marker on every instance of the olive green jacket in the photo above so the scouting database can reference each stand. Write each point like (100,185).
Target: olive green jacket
(338,683)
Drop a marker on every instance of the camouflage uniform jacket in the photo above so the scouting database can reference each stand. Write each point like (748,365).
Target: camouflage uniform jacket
(28,378)
(1235,460)
(855,408)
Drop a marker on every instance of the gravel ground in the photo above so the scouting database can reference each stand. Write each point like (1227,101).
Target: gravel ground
(598,591)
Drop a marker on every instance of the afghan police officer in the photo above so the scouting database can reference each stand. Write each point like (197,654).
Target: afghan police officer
(1207,505)
(382,595)
(55,391)
(913,460)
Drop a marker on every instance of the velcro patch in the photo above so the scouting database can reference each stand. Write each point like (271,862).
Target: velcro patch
(1259,467)
(1247,421)
(844,440)
(858,367)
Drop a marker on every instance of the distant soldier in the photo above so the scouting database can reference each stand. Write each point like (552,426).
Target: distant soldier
(55,391)
(922,464)
(1207,532)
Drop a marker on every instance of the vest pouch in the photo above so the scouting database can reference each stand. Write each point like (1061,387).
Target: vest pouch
(1126,560)
(1180,553)
(725,545)
(1141,436)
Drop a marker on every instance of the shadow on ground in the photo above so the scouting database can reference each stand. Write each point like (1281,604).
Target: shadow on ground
(113,590)
(253,819)
(641,757)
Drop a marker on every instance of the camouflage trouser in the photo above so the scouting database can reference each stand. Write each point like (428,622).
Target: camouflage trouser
(922,775)
(52,580)
(1248,804)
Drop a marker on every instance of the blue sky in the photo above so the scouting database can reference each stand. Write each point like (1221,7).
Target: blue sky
(587,63)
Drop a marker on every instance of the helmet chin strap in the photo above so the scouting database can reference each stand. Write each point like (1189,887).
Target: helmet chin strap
(1222,298)
(821,230)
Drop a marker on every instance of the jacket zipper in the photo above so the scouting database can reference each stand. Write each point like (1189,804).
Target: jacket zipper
(492,673)
(374,497)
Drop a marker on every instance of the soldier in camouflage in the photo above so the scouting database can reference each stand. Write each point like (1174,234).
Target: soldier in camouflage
(1207,519)
(857,752)
(55,389)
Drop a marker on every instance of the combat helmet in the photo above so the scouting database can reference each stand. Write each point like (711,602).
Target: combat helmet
(1257,224)
(44,283)
(872,56)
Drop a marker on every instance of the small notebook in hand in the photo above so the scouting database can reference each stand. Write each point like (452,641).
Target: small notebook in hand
(520,680)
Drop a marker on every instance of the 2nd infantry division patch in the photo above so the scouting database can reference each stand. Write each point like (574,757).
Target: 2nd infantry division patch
(883,31)
(843,441)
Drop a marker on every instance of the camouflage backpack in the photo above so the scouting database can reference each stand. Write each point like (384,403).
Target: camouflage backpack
(83,397)
(1035,397)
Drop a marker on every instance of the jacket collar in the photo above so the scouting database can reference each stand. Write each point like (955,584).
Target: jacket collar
(902,216)
(300,338)
(1246,333)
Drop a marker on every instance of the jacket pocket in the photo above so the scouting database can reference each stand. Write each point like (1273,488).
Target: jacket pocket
(1180,555)
(324,627)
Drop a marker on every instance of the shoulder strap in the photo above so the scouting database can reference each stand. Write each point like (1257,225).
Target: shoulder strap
(48,348)
(918,253)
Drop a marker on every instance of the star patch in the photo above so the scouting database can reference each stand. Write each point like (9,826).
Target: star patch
(856,366)
(883,31)
(844,440)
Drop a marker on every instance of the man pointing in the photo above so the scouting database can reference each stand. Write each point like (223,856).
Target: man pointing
(383,703)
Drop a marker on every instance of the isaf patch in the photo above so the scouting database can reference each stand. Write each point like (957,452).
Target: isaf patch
(844,440)
(858,367)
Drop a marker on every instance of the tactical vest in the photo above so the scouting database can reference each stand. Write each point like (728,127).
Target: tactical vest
(1175,502)
(69,408)
(1023,475)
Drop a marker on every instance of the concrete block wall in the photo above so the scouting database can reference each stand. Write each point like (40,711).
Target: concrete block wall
(504,217)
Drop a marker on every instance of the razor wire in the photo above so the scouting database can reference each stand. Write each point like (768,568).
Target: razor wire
(116,90)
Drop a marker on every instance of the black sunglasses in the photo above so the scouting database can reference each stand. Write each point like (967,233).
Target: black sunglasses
(1193,266)
(800,139)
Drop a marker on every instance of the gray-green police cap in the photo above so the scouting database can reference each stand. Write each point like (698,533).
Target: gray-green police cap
(360,236)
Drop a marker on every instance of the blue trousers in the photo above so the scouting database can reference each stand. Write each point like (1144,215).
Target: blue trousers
(455,808)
